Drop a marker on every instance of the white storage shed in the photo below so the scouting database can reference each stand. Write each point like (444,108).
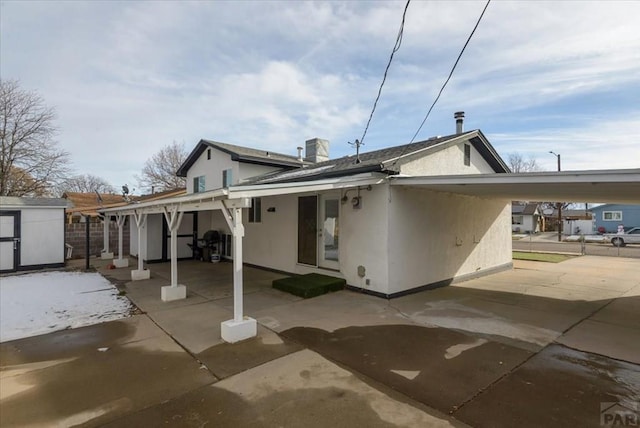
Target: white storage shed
(31,233)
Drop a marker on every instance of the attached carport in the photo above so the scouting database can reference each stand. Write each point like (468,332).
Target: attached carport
(622,186)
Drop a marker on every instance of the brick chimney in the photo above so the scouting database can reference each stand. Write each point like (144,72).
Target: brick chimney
(317,150)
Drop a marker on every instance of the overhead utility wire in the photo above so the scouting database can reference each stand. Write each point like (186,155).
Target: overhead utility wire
(396,47)
(451,73)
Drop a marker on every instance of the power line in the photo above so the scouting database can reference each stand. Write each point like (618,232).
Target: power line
(451,73)
(396,47)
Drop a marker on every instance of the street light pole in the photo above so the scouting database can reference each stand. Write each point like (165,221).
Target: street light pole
(559,204)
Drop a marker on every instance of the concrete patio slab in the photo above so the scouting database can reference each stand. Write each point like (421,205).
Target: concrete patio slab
(330,312)
(624,311)
(466,349)
(435,366)
(260,300)
(558,387)
(196,327)
(227,359)
(147,296)
(93,374)
(613,340)
(299,390)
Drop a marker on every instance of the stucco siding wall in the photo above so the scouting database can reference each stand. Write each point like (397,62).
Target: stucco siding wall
(272,243)
(364,236)
(436,236)
(42,236)
(446,162)
(211,169)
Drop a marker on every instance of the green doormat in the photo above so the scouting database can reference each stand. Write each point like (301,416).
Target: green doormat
(310,285)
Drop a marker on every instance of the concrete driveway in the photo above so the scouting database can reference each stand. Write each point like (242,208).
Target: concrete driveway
(542,345)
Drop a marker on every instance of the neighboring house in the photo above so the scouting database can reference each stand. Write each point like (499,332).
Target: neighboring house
(31,233)
(525,217)
(344,217)
(608,217)
(87,204)
(577,222)
(574,221)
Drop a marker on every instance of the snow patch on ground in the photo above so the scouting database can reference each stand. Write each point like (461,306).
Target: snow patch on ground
(43,302)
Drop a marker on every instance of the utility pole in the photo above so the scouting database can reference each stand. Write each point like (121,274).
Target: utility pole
(559,204)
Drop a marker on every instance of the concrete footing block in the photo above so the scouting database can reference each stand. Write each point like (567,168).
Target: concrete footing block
(169,293)
(138,275)
(121,263)
(233,331)
(106,256)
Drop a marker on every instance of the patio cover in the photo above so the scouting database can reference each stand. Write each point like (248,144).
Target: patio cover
(620,186)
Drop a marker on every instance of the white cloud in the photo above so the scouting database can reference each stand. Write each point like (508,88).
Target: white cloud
(610,144)
(128,78)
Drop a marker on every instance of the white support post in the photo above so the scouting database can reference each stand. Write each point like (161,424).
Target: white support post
(240,327)
(173,291)
(120,262)
(106,254)
(140,273)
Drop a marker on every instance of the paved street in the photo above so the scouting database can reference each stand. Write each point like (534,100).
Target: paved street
(591,249)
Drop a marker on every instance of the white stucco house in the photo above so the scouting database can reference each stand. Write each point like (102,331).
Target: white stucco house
(347,218)
(390,221)
(31,233)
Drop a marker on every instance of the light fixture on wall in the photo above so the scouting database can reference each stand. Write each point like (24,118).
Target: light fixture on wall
(271,209)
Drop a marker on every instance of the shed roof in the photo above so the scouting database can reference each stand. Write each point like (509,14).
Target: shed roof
(14,201)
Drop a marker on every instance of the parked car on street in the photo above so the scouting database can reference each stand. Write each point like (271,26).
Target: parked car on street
(630,236)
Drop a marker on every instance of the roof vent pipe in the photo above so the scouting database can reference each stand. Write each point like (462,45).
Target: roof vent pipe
(459,116)
(300,149)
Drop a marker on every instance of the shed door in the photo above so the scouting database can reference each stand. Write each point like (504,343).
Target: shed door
(9,240)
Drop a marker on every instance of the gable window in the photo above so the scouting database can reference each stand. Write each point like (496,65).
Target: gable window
(467,155)
(255,210)
(208,154)
(198,184)
(227,177)
(612,215)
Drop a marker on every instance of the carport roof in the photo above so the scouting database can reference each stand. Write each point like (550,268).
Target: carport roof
(621,186)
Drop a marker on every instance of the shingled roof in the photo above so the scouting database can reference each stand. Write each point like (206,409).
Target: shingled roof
(240,154)
(90,199)
(383,160)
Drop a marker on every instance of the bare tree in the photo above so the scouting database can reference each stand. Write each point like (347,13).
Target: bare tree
(30,162)
(517,163)
(159,172)
(84,183)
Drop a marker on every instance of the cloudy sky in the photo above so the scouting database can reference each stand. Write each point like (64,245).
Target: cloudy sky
(127,78)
